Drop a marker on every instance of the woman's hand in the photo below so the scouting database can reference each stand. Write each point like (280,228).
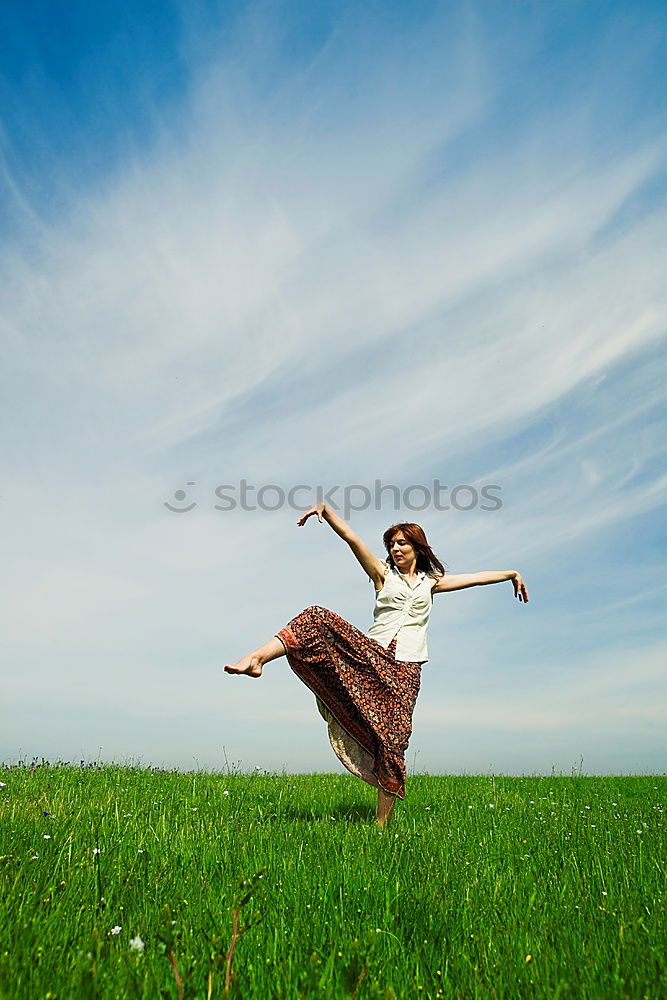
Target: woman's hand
(317,509)
(520,588)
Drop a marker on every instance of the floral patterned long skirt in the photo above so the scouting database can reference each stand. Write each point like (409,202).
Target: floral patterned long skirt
(364,694)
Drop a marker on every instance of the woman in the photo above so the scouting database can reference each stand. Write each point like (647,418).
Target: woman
(366,684)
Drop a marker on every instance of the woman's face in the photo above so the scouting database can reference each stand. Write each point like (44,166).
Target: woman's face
(402,551)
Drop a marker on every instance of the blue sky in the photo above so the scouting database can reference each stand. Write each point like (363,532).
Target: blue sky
(299,243)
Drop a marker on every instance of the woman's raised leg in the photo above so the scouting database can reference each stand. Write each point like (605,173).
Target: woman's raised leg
(253,663)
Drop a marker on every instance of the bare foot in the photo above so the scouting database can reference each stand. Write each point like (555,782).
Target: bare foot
(249,664)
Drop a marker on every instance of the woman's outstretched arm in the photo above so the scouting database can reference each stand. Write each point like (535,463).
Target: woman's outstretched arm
(371,564)
(459,581)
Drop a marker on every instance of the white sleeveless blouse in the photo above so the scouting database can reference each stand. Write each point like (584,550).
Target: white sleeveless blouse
(403,610)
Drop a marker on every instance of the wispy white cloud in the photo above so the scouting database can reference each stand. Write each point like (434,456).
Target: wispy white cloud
(625,688)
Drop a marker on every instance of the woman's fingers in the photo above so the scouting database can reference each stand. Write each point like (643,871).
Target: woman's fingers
(319,510)
(520,590)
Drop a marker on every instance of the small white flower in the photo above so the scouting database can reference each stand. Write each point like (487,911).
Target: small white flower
(640,831)
(225,792)
(47,836)
(427,808)
(136,944)
(604,893)
(140,851)
(491,805)
(116,929)
(194,809)
(469,807)
(96,850)
(34,857)
(3,784)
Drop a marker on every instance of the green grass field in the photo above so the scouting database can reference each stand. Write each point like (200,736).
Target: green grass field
(121,881)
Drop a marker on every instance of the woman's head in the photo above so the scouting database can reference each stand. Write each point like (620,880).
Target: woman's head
(405,542)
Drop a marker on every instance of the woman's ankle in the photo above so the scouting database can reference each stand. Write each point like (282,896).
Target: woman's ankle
(271,650)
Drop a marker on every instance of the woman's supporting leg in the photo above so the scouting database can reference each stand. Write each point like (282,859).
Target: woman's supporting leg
(253,663)
(386,803)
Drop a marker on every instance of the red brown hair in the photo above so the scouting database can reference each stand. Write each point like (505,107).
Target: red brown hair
(426,558)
